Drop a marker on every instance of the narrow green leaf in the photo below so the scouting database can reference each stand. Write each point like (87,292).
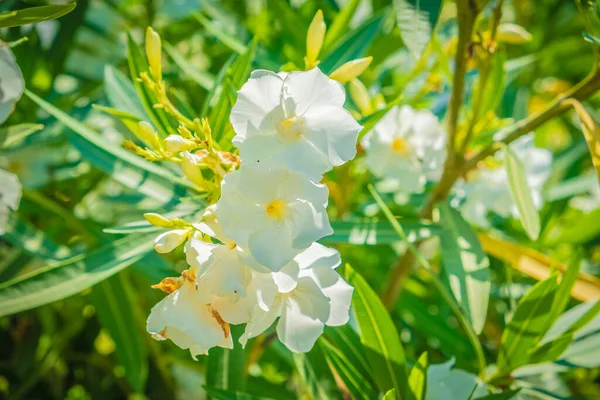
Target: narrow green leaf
(347,371)
(389,395)
(310,380)
(225,367)
(220,394)
(466,266)
(529,324)
(24,235)
(340,24)
(14,135)
(123,166)
(417,378)
(33,15)
(563,293)
(138,65)
(230,41)
(416,20)
(378,335)
(354,45)
(121,93)
(237,74)
(202,78)
(373,231)
(521,194)
(501,396)
(114,306)
(551,351)
(66,278)
(347,341)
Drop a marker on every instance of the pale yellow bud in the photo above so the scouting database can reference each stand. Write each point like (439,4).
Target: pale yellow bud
(314,39)
(177,144)
(157,220)
(512,34)
(191,165)
(360,96)
(153,53)
(168,241)
(148,135)
(351,69)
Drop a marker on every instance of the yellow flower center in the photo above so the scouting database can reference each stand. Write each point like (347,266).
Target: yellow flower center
(277,210)
(291,128)
(400,146)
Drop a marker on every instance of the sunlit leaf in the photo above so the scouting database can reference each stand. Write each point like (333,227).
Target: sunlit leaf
(15,135)
(417,20)
(32,15)
(373,231)
(417,378)
(466,266)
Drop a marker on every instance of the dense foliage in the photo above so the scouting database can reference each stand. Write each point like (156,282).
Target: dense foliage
(448,151)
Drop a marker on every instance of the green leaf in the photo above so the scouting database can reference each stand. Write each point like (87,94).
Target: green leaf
(33,15)
(389,395)
(66,278)
(24,235)
(563,293)
(237,75)
(347,371)
(228,40)
(121,93)
(115,309)
(501,396)
(340,24)
(551,351)
(138,65)
(310,379)
(417,378)
(202,78)
(378,335)
(527,327)
(225,367)
(123,166)
(220,394)
(14,135)
(521,194)
(466,266)
(354,45)
(416,20)
(373,231)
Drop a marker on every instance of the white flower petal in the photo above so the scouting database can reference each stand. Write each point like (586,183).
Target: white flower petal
(303,316)
(313,89)
(287,278)
(10,189)
(189,323)
(319,256)
(312,223)
(197,252)
(257,102)
(261,321)
(272,246)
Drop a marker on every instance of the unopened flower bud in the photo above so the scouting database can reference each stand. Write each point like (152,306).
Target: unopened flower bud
(168,241)
(513,34)
(153,53)
(314,39)
(157,220)
(191,166)
(351,69)
(148,135)
(177,144)
(360,96)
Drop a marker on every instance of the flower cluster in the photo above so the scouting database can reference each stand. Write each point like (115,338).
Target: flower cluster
(407,147)
(486,188)
(253,257)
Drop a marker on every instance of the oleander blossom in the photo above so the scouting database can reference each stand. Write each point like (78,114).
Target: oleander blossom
(407,147)
(486,189)
(296,120)
(10,197)
(273,212)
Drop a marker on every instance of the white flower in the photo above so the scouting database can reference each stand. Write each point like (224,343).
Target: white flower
(295,119)
(446,383)
(187,321)
(486,188)
(274,213)
(408,146)
(10,196)
(11,82)
(319,297)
